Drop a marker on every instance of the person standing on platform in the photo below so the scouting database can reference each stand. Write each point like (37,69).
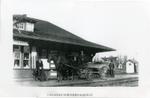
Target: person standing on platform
(39,68)
(111,68)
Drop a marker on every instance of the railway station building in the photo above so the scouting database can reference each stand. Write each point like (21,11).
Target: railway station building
(35,38)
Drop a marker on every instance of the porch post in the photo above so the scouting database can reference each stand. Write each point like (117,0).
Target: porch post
(33,56)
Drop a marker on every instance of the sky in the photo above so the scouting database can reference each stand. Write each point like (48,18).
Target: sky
(117,24)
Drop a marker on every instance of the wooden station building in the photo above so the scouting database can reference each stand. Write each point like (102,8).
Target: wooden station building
(34,38)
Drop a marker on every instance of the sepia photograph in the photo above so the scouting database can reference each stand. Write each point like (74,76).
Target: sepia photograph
(76,48)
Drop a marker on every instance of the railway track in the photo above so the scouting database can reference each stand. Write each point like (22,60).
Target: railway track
(131,82)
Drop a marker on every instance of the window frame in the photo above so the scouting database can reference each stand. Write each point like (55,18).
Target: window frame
(21,58)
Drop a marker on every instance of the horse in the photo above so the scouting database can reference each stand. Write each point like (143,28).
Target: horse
(64,69)
(59,62)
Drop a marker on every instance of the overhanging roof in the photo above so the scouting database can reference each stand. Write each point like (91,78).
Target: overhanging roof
(49,32)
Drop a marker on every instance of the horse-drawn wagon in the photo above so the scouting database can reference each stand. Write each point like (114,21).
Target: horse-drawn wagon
(89,71)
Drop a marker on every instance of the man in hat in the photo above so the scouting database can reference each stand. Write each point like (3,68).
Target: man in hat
(111,68)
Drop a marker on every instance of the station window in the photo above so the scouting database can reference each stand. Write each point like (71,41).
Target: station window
(26,57)
(21,57)
(21,26)
(17,56)
(17,60)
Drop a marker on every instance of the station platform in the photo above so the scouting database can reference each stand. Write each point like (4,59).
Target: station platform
(118,80)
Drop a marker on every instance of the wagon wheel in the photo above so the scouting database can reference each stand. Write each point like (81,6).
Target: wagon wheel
(103,72)
(90,75)
(98,76)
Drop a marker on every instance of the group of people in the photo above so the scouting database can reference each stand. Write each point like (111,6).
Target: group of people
(60,62)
